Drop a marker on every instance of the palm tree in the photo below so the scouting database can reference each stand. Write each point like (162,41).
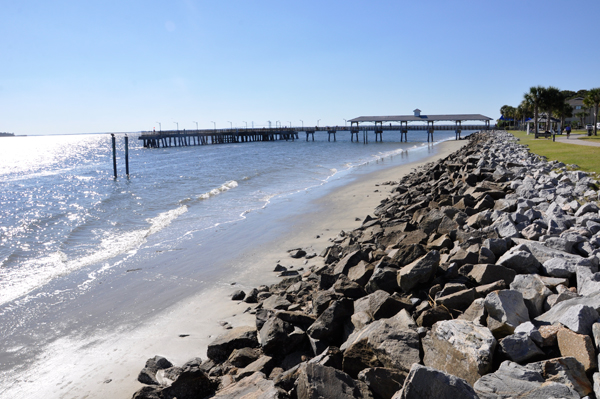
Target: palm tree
(505,112)
(526,110)
(592,100)
(534,99)
(581,115)
(564,111)
(551,101)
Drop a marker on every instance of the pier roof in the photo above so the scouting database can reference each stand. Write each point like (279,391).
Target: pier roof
(421,118)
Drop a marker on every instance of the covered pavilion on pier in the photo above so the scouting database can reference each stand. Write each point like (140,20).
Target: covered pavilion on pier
(416,117)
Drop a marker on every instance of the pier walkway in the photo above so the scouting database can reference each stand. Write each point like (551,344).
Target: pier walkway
(375,124)
(179,138)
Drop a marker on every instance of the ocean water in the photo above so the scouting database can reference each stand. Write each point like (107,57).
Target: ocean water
(81,252)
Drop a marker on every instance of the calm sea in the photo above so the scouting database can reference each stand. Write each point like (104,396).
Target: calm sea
(70,232)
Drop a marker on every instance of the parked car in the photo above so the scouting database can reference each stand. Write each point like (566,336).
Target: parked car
(589,126)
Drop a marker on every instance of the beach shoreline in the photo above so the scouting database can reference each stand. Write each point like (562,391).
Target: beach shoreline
(185,330)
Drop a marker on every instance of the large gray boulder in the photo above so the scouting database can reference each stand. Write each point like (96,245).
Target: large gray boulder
(579,319)
(148,373)
(534,292)
(459,347)
(554,315)
(426,382)
(254,386)
(330,323)
(316,381)
(379,305)
(237,338)
(588,283)
(419,271)
(506,310)
(383,382)
(390,342)
(512,380)
(520,348)
(520,260)
(487,273)
(566,266)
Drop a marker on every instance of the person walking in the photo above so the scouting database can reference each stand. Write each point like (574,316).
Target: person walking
(568,129)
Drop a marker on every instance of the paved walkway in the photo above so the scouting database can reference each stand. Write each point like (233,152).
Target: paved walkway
(574,140)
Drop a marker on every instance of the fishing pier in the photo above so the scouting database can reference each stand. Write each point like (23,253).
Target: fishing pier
(364,124)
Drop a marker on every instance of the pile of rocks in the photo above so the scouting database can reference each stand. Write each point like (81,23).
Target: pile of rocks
(476,278)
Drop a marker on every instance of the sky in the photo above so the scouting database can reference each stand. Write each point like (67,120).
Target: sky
(128,65)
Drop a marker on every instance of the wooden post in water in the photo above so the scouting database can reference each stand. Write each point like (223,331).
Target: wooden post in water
(114,148)
(127,155)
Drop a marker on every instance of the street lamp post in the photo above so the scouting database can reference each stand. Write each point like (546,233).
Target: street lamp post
(302,123)
(290,122)
(318,120)
(159,127)
(177,123)
(231,125)
(196,124)
(215,125)
(269,124)
(345,122)
(276,122)
(246,124)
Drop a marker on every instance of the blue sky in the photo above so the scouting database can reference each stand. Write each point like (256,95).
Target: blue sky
(116,66)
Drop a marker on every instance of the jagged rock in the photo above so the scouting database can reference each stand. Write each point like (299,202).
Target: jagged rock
(429,317)
(361,273)
(278,337)
(459,347)
(348,288)
(383,382)
(321,301)
(426,382)
(237,338)
(520,260)
(534,292)
(506,310)
(316,381)
(419,271)
(498,246)
(192,383)
(564,370)
(553,315)
(253,386)
(264,364)
(297,253)
(520,348)
(458,300)
(148,373)
(347,262)
(379,305)
(275,302)
(392,342)
(588,283)
(579,319)
(578,346)
(486,256)
(243,357)
(530,331)
(383,278)
(238,295)
(475,312)
(330,323)
(485,273)
(512,380)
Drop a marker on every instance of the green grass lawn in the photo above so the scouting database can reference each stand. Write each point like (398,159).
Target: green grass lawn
(587,158)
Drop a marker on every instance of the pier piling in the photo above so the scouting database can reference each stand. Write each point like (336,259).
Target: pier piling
(127,156)
(114,149)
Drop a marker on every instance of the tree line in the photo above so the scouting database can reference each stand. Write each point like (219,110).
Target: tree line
(553,102)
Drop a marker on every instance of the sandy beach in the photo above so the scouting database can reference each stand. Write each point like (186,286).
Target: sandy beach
(110,368)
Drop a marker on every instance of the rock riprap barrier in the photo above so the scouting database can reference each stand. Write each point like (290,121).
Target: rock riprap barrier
(477,278)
